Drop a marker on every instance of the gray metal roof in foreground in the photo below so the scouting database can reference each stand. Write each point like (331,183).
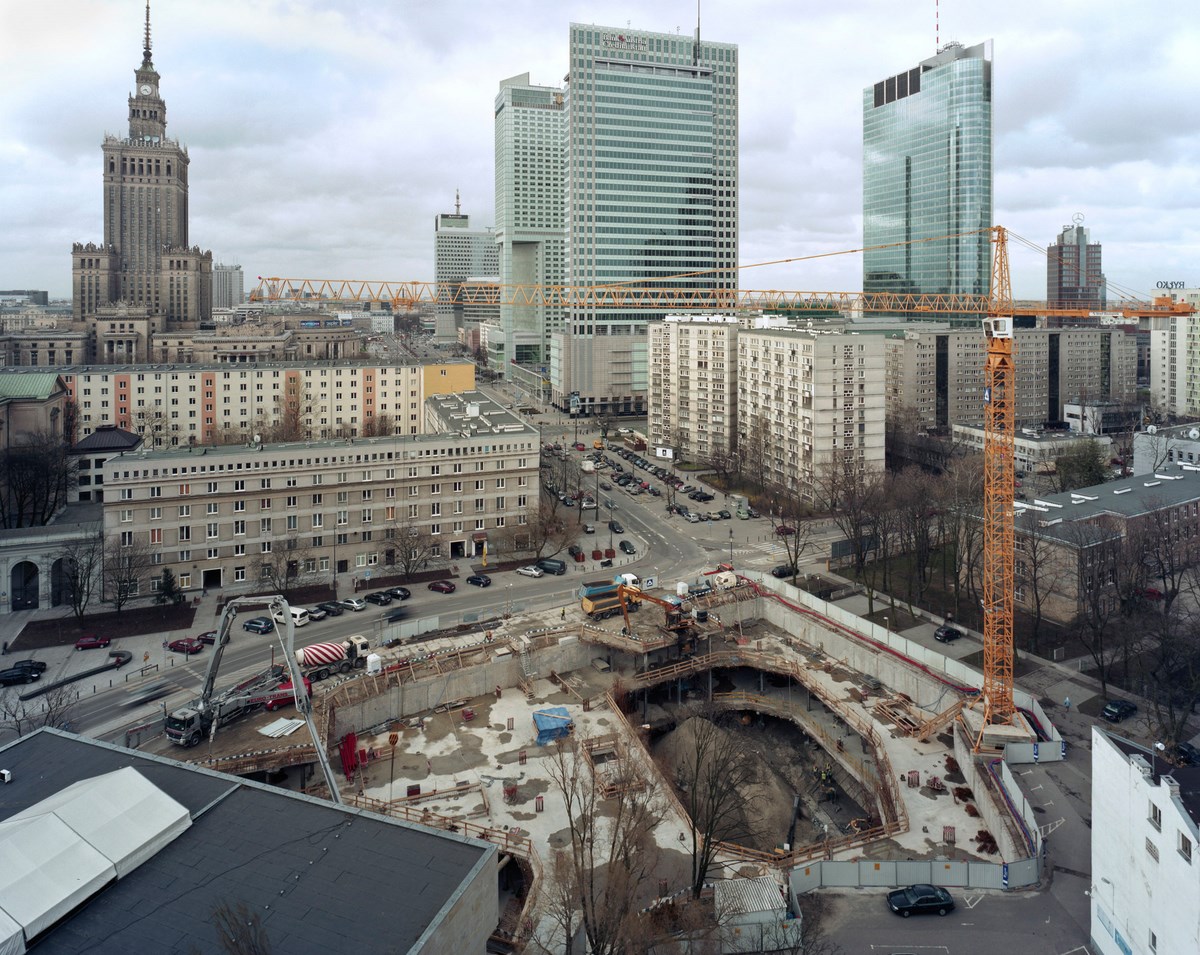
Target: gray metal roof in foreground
(321,878)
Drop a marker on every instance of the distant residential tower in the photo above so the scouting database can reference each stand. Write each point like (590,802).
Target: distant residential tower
(1074,275)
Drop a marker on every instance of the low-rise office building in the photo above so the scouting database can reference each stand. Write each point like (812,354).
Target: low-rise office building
(327,511)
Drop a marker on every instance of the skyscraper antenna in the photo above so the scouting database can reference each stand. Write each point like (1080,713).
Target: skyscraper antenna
(695,45)
(146,41)
(457,202)
(937,27)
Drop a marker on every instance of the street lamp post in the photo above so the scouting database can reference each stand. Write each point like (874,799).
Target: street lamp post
(731,546)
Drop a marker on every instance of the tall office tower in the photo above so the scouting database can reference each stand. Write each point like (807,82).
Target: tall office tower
(652,195)
(927,176)
(530,176)
(460,253)
(229,286)
(1074,277)
(145,260)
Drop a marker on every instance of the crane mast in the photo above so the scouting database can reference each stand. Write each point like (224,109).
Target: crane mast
(999,397)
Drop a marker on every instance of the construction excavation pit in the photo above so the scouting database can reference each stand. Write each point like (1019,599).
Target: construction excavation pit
(774,732)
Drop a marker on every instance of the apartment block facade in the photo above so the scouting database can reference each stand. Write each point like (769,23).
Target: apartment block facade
(806,399)
(324,511)
(938,373)
(180,405)
(460,253)
(1175,359)
(693,385)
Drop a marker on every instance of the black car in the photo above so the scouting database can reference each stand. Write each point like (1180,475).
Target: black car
(379,597)
(480,580)
(1185,754)
(33,666)
(919,899)
(398,593)
(947,634)
(782,570)
(17,675)
(332,608)
(615,527)
(627,548)
(574,550)
(1116,710)
(395,616)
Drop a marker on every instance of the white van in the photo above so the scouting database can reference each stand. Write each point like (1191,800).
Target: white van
(299,616)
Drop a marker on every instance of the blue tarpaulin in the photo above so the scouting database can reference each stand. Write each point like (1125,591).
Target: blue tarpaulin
(552,723)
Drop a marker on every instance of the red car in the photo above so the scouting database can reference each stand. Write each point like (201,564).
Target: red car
(442,586)
(186,645)
(208,636)
(579,446)
(92,642)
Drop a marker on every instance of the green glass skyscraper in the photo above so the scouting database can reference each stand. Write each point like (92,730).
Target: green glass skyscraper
(927,175)
(651,195)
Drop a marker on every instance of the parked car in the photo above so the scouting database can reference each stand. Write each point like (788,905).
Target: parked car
(443,586)
(332,607)
(92,642)
(399,593)
(589,528)
(15,675)
(615,527)
(605,486)
(693,518)
(33,666)
(316,613)
(724,515)
(1116,710)
(378,598)
(574,550)
(354,603)
(579,446)
(782,570)
(1185,754)
(185,645)
(947,634)
(208,636)
(627,548)
(259,625)
(479,580)
(530,571)
(783,530)
(920,899)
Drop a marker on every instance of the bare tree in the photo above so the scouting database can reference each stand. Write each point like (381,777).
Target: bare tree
(612,853)
(547,533)
(961,496)
(82,563)
(713,783)
(848,491)
(125,565)
(409,544)
(1170,670)
(789,516)
(290,565)
(152,423)
(606,421)
(1098,601)
(379,426)
(52,708)
(37,475)
(1040,572)
(914,502)
(293,413)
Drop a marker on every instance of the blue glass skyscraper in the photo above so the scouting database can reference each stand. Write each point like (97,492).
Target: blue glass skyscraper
(927,175)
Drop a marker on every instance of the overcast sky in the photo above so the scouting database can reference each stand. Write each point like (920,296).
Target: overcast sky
(325,135)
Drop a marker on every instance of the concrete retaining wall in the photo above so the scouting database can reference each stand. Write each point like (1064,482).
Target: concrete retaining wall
(952,873)
(409,699)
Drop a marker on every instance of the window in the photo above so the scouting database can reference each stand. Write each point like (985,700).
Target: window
(185,533)
(1153,942)
(265,503)
(239,485)
(239,550)
(1156,817)
(239,528)
(343,497)
(316,499)
(239,506)
(368,515)
(156,513)
(343,517)
(291,501)
(127,517)
(293,522)
(185,510)
(1151,850)
(264,525)
(1185,848)
(214,508)
(185,555)
(126,494)
(156,535)
(317,520)
(214,553)
(156,491)
(213,530)
(212,487)
(264,547)
(239,574)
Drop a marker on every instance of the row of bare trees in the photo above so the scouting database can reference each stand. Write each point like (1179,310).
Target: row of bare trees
(605,876)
